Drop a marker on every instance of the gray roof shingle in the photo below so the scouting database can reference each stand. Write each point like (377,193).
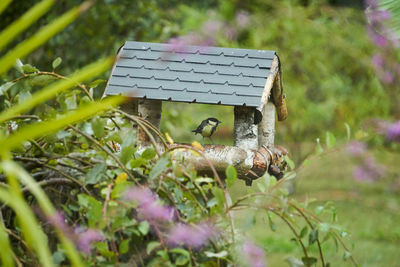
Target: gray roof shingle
(211,75)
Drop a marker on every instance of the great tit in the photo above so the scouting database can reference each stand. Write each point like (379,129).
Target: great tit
(207,128)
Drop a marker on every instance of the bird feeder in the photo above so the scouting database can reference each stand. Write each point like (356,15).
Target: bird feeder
(249,80)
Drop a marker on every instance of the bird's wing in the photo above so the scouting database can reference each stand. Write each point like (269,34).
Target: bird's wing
(200,127)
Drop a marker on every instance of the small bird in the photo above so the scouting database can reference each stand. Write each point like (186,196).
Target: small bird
(207,128)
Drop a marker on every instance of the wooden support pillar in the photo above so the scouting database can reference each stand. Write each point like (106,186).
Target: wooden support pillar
(245,132)
(266,128)
(149,110)
(130,106)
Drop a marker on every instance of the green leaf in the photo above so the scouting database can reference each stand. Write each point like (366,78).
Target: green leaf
(219,255)
(56,62)
(15,170)
(219,196)
(94,213)
(231,175)
(348,131)
(5,87)
(346,255)
(330,139)
(261,186)
(271,223)
(28,68)
(124,246)
(294,262)
(304,231)
(135,163)
(5,248)
(55,88)
(24,21)
(96,173)
(70,102)
(159,167)
(324,227)
(44,34)
(4,4)
(312,237)
(309,261)
(290,162)
(43,128)
(149,154)
(24,96)
(98,127)
(96,83)
(126,154)
(184,258)
(41,80)
(152,246)
(144,227)
(318,148)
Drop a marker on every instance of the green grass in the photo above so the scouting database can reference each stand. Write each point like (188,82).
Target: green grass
(369,212)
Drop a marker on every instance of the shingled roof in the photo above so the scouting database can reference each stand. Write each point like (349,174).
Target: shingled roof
(210,75)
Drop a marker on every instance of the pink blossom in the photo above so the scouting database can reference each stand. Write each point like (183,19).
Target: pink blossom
(86,237)
(387,77)
(82,238)
(368,171)
(356,148)
(253,254)
(377,38)
(194,236)
(242,19)
(378,15)
(393,132)
(149,207)
(377,61)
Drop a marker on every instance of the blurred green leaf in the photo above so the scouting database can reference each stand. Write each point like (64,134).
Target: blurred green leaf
(96,173)
(159,167)
(41,80)
(294,262)
(56,62)
(219,196)
(53,89)
(312,237)
(27,46)
(290,162)
(309,261)
(4,4)
(218,255)
(271,223)
(144,227)
(152,246)
(124,246)
(304,231)
(231,175)
(149,154)
(33,14)
(330,139)
(43,128)
(28,68)
(96,83)
(5,87)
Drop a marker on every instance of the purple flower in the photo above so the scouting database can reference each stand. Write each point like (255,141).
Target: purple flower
(377,61)
(377,38)
(377,16)
(253,254)
(242,19)
(393,132)
(230,32)
(86,238)
(148,206)
(387,77)
(82,238)
(368,171)
(212,27)
(194,236)
(371,4)
(356,148)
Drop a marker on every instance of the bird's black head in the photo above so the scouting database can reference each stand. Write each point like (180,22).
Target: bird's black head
(214,120)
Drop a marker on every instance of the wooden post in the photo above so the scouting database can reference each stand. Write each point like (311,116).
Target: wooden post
(266,128)
(245,132)
(130,107)
(149,110)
